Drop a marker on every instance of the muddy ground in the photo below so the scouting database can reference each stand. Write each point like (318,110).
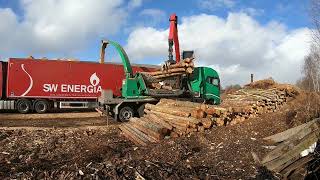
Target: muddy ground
(91,148)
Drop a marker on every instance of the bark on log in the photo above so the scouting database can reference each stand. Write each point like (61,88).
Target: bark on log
(206,123)
(150,128)
(198,113)
(156,85)
(191,64)
(220,122)
(167,110)
(218,111)
(158,120)
(134,137)
(174,70)
(169,75)
(188,60)
(200,128)
(174,134)
(177,119)
(243,109)
(179,103)
(195,112)
(189,70)
(179,131)
(142,132)
(151,136)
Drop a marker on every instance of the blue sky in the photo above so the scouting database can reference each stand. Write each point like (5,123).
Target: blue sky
(258,30)
(292,13)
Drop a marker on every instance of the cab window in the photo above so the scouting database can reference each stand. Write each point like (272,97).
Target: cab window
(213,81)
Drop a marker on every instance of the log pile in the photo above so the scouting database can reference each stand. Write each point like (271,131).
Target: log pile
(295,154)
(174,118)
(162,121)
(246,103)
(167,71)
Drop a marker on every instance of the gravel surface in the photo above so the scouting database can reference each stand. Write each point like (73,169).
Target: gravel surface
(91,148)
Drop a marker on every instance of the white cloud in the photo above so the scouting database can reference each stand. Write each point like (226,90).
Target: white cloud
(215,4)
(236,46)
(252,11)
(153,16)
(147,42)
(153,13)
(58,25)
(134,4)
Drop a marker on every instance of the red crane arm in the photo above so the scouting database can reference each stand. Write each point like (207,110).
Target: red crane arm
(173,38)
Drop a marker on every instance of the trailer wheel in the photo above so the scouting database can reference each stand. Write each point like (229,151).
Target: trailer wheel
(125,113)
(140,110)
(41,106)
(23,106)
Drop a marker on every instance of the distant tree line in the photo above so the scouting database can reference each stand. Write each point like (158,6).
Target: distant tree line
(311,68)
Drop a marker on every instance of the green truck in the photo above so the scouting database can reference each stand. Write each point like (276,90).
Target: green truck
(203,85)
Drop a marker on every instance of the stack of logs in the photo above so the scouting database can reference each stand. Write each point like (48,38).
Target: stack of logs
(184,67)
(246,103)
(167,118)
(174,118)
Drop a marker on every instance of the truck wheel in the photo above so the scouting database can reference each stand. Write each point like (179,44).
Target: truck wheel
(41,106)
(140,110)
(125,113)
(23,106)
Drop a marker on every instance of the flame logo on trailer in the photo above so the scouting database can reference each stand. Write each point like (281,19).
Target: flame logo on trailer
(75,88)
(94,79)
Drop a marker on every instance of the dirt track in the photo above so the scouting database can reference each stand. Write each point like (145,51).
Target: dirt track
(57,120)
(95,150)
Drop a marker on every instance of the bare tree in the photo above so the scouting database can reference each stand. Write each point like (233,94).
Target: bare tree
(315,17)
(311,70)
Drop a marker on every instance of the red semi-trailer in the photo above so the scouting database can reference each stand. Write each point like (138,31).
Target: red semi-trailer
(32,84)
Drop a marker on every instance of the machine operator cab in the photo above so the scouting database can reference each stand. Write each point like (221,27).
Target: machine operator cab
(205,84)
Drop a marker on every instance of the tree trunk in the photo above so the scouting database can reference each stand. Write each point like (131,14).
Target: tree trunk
(169,71)
(134,137)
(167,110)
(159,120)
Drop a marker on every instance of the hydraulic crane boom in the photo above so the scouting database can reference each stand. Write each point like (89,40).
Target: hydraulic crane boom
(173,38)
(123,55)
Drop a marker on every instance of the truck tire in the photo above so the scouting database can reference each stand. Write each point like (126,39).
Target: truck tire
(23,106)
(41,106)
(140,110)
(125,113)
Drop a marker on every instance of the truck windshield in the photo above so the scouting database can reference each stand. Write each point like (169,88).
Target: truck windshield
(213,81)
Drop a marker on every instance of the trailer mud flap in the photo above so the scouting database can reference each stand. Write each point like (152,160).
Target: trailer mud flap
(116,111)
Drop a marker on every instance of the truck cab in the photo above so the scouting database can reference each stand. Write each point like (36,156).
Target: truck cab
(205,84)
